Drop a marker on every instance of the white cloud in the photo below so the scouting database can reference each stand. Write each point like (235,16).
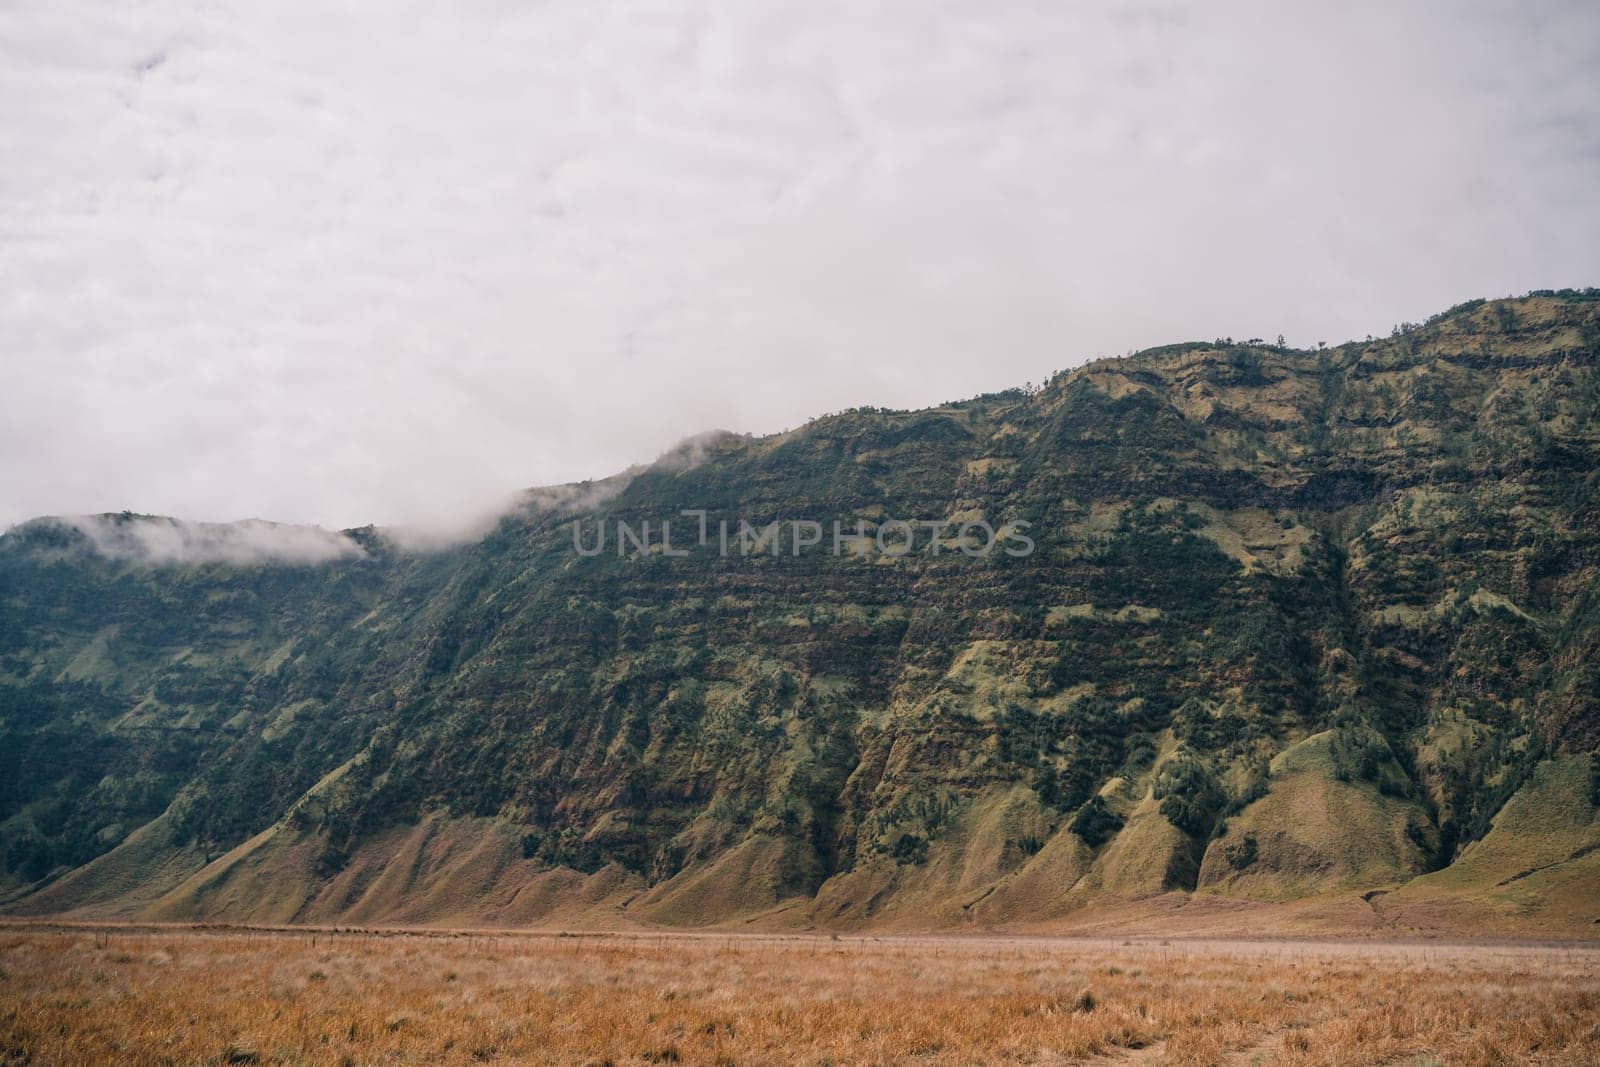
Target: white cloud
(161,540)
(387,263)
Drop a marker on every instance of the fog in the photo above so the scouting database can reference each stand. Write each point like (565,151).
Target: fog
(160,540)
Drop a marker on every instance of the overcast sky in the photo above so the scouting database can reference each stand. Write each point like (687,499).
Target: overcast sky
(352,262)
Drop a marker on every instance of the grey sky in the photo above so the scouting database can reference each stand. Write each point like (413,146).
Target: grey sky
(358,262)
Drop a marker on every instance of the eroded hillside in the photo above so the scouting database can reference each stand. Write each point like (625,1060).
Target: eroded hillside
(1312,628)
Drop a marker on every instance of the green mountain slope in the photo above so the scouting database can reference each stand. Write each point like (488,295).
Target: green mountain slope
(1307,631)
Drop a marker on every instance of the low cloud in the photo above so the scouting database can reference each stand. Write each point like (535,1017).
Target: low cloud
(572,498)
(160,541)
(694,450)
(576,498)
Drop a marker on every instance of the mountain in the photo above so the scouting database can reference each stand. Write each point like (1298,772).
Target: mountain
(1263,636)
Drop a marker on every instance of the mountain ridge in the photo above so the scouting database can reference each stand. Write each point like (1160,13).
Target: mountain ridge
(1302,626)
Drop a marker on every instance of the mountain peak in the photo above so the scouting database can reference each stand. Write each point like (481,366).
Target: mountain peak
(1293,626)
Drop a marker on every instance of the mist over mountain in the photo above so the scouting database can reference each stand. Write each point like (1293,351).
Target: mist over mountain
(158,540)
(1307,633)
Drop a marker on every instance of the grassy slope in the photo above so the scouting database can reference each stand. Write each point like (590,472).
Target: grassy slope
(1299,625)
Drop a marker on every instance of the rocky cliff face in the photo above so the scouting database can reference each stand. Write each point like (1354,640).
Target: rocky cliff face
(1295,626)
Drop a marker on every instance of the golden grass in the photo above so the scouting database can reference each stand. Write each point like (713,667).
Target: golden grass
(151,995)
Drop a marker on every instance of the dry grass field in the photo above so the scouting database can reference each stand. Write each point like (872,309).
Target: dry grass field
(160,995)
